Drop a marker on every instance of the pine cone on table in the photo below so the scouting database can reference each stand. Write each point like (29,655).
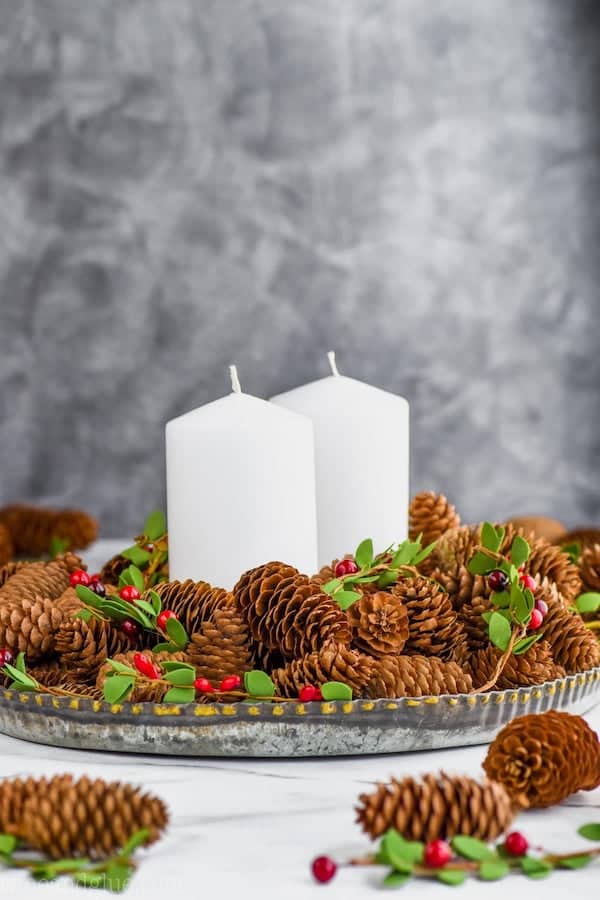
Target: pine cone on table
(7,548)
(44,579)
(32,528)
(83,647)
(333,662)
(379,623)
(590,568)
(573,645)
(288,612)
(417,676)
(13,794)
(62,817)
(222,646)
(436,806)
(542,759)
(433,627)
(194,602)
(536,666)
(143,691)
(430,515)
(29,627)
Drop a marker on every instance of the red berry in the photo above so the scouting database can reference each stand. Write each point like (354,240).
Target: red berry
(5,656)
(204,685)
(131,629)
(542,606)
(319,694)
(164,617)
(95,577)
(149,548)
(130,593)
(516,844)
(79,577)
(536,620)
(145,666)
(498,581)
(345,567)
(528,582)
(437,854)
(323,869)
(230,683)
(308,693)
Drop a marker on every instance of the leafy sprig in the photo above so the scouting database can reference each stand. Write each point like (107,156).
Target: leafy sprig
(21,680)
(384,569)
(150,552)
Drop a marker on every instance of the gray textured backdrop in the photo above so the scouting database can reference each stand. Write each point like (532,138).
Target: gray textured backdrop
(185,183)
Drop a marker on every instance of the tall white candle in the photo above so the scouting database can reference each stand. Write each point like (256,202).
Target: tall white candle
(361,449)
(240,489)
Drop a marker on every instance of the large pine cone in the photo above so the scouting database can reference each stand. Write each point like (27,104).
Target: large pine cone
(437,806)
(194,602)
(542,759)
(8,570)
(43,579)
(534,667)
(433,627)
(62,817)
(222,646)
(144,691)
(288,612)
(83,647)
(417,676)
(29,626)
(573,645)
(431,515)
(32,528)
(7,548)
(590,568)
(333,662)
(379,623)
(13,794)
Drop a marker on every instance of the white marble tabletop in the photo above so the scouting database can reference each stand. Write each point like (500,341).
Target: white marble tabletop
(249,828)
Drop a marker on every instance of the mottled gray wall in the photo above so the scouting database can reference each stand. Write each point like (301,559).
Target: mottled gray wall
(185,183)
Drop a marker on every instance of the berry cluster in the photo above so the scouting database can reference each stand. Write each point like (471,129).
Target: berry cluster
(499,582)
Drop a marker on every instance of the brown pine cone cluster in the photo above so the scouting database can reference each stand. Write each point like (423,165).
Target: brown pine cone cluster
(32,528)
(417,676)
(65,818)
(542,759)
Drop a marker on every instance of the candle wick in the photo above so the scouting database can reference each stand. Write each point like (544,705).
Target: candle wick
(235,381)
(332,362)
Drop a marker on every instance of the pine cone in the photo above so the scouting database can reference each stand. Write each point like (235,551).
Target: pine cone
(7,548)
(542,759)
(417,676)
(288,612)
(29,627)
(547,561)
(62,817)
(8,570)
(69,603)
(83,647)
(534,667)
(32,528)
(430,514)
(44,579)
(587,537)
(147,691)
(333,662)
(433,627)
(590,568)
(48,674)
(13,794)
(112,569)
(194,602)
(437,806)
(573,645)
(379,623)
(222,646)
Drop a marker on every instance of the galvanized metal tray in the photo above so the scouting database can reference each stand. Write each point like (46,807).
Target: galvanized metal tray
(290,729)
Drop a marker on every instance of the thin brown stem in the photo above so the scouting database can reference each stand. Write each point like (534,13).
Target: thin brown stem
(517,634)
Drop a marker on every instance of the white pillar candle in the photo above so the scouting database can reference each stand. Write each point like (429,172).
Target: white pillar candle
(240,489)
(361,455)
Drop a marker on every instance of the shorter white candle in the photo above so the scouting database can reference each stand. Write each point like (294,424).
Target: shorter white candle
(240,489)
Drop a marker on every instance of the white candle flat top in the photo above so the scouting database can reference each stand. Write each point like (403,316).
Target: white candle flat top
(247,829)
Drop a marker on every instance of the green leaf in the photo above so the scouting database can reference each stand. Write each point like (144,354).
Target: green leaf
(575,862)
(395,879)
(44,873)
(535,868)
(137,839)
(401,854)
(7,844)
(118,687)
(180,695)
(588,603)
(573,551)
(137,555)
(387,578)
(155,601)
(20,662)
(591,831)
(155,525)
(137,578)
(120,667)
(481,564)
(423,554)
(21,678)
(88,597)
(452,877)
(336,690)
(404,554)
(184,677)
(85,614)
(166,647)
(490,538)
(57,546)
(520,606)
(118,876)
(363,579)
(258,684)
(501,600)
(486,616)
(472,848)
(345,598)
(177,632)
(500,631)
(493,869)
(330,587)
(169,665)
(364,554)
(145,607)
(525,643)
(519,551)
(90,879)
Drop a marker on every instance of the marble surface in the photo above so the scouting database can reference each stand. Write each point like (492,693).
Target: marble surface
(249,828)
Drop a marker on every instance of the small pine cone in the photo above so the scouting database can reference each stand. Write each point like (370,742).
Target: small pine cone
(30,627)
(431,515)
(84,646)
(194,602)
(222,646)
(536,666)
(379,623)
(67,818)
(417,676)
(143,691)
(288,612)
(32,528)
(547,561)
(573,645)
(436,806)
(590,568)
(542,759)
(112,569)
(7,548)
(333,662)
(48,674)
(433,627)
(44,579)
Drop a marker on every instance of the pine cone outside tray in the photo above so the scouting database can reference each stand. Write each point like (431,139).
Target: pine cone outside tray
(436,806)
(433,627)
(542,759)
(379,623)
(534,667)
(32,528)
(333,662)
(222,646)
(417,676)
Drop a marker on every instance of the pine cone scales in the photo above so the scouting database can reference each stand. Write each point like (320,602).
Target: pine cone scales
(574,646)
(534,667)
(590,568)
(431,514)
(436,807)
(417,676)
(333,662)
(194,602)
(83,647)
(379,623)
(13,794)
(433,627)
(29,627)
(222,646)
(33,528)
(45,579)
(542,759)
(65,818)
(7,548)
